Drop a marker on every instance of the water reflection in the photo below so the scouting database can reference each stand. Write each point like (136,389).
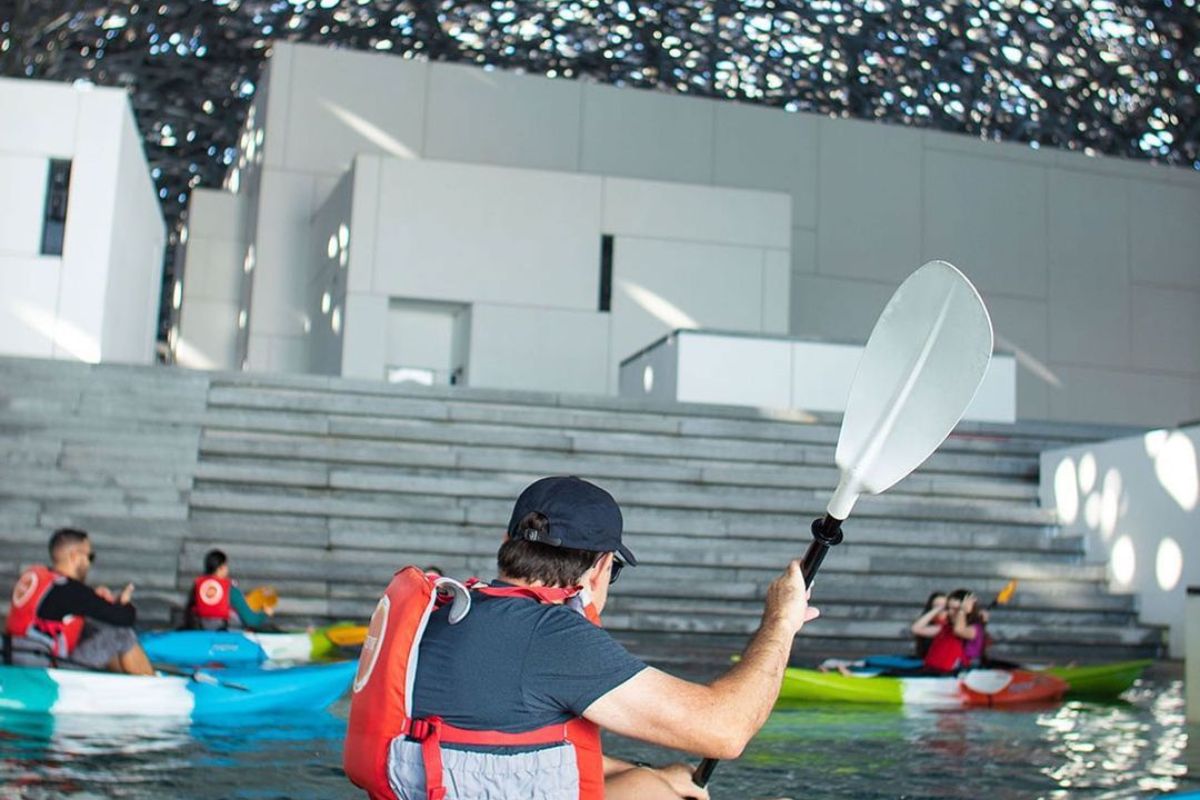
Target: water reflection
(1133,748)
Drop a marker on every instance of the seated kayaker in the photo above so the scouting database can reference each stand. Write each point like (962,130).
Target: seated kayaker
(56,619)
(216,597)
(950,634)
(933,614)
(509,694)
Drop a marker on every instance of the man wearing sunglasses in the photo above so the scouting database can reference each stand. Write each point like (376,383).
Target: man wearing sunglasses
(530,656)
(57,619)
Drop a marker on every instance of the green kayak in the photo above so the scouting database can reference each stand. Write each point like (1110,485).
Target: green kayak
(1100,680)
(976,687)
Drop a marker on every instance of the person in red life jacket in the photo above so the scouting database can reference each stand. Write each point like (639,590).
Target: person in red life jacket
(215,597)
(502,691)
(931,617)
(56,618)
(951,632)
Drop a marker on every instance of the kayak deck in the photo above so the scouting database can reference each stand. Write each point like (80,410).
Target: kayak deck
(974,688)
(234,692)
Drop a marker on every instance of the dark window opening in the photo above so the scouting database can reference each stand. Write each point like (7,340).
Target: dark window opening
(54,220)
(606,264)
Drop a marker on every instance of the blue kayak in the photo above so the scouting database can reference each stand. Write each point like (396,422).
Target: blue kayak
(210,695)
(241,648)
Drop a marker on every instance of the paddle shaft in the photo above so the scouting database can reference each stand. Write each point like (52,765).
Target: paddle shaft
(826,532)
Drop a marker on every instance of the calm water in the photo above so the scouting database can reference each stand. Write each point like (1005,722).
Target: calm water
(1137,748)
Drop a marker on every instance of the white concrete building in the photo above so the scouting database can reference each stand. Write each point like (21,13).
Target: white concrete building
(81,230)
(1090,266)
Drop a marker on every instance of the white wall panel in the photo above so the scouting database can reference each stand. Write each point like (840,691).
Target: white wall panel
(469,233)
(987,216)
(1165,233)
(91,205)
(22,202)
(212,269)
(696,213)
(216,214)
(364,223)
(660,285)
(1139,398)
(776,291)
(208,334)
(835,309)
(282,252)
(135,257)
(761,148)
(1020,327)
(870,217)
(736,371)
(364,344)
(514,347)
(1089,269)
(28,306)
(343,103)
(646,134)
(502,118)
(804,251)
(39,117)
(1166,329)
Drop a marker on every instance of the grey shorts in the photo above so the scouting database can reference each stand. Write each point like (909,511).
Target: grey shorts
(100,644)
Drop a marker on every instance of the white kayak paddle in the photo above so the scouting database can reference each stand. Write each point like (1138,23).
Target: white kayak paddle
(920,370)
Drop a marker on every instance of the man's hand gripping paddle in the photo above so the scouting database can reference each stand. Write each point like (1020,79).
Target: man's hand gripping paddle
(920,370)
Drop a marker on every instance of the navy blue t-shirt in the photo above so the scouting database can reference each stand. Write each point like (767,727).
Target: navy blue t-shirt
(514,665)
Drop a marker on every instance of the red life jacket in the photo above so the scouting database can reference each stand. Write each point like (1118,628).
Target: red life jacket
(945,651)
(210,597)
(23,619)
(382,692)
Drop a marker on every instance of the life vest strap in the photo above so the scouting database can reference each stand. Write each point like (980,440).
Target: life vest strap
(432,732)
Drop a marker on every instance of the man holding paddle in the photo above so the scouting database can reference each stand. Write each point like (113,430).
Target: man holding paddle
(530,656)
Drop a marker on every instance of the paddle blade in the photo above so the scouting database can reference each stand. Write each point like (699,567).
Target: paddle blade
(920,370)
(347,635)
(262,597)
(1006,593)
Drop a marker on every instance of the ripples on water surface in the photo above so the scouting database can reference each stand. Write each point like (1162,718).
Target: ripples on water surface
(1077,750)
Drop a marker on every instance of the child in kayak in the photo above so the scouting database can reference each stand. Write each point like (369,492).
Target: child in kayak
(215,597)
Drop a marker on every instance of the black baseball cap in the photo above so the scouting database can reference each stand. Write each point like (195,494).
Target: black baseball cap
(582,516)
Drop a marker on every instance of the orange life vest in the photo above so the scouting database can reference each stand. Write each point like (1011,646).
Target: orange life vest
(23,620)
(945,651)
(382,693)
(210,597)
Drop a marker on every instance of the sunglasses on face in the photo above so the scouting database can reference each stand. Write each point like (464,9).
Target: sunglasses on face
(617,566)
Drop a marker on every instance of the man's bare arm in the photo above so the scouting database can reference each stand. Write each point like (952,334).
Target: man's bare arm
(719,718)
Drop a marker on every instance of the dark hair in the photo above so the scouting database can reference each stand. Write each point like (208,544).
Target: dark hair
(64,538)
(214,560)
(535,561)
(933,596)
(973,618)
(434,568)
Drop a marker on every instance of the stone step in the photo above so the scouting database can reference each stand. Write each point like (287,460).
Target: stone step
(617,413)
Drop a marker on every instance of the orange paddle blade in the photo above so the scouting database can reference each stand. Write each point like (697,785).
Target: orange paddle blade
(1006,593)
(262,597)
(347,635)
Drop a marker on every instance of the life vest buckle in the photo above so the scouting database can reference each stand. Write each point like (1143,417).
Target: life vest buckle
(421,729)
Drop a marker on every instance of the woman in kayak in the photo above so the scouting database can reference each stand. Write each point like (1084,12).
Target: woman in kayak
(215,597)
(934,611)
(952,633)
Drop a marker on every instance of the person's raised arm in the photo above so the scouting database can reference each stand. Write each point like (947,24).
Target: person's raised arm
(962,628)
(925,625)
(718,719)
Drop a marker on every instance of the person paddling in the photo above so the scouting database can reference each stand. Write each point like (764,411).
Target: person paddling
(57,619)
(513,681)
(215,597)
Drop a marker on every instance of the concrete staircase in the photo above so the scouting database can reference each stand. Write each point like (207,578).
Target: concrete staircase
(324,487)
